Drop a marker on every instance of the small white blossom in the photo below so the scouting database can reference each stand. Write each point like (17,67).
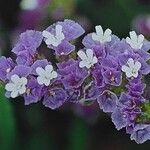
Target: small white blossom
(29,4)
(135,41)
(101,36)
(54,40)
(16,86)
(131,68)
(87,58)
(45,75)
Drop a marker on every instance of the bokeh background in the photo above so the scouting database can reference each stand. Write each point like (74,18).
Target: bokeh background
(71,127)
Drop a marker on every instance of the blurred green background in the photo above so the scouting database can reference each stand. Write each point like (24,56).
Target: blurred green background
(35,127)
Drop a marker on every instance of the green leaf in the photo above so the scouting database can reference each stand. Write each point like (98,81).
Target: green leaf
(7,123)
(78,135)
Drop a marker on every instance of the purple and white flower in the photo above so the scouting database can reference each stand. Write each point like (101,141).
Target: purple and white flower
(16,86)
(87,59)
(135,41)
(45,75)
(101,36)
(132,68)
(94,74)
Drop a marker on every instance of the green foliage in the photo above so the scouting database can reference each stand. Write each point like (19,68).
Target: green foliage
(7,123)
(115,14)
(78,135)
(145,116)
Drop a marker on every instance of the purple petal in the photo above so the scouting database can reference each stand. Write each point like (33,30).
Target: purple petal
(71,29)
(141,133)
(118,119)
(55,99)
(107,101)
(64,48)
(29,40)
(20,70)
(6,65)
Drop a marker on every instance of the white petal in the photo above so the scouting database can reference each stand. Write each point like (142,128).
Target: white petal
(140,46)
(49,68)
(135,74)
(124,68)
(130,62)
(40,80)
(47,82)
(40,71)
(99,30)
(56,43)
(88,66)
(129,74)
(140,38)
(14,94)
(22,90)
(46,34)
(128,40)
(108,39)
(9,86)
(98,36)
(107,32)
(89,54)
(59,34)
(95,60)
(137,65)
(58,29)
(60,38)
(15,78)
(54,75)
(24,80)
(133,36)
(82,55)
(51,41)
(82,64)
(95,37)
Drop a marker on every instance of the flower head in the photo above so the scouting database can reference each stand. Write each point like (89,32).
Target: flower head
(59,35)
(87,59)
(102,36)
(135,41)
(91,75)
(132,68)
(16,86)
(56,39)
(45,75)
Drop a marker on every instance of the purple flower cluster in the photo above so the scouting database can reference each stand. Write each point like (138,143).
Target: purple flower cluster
(106,70)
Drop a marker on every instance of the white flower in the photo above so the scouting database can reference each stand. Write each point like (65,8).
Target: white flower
(54,40)
(101,36)
(16,86)
(29,4)
(132,68)
(88,60)
(45,75)
(135,41)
